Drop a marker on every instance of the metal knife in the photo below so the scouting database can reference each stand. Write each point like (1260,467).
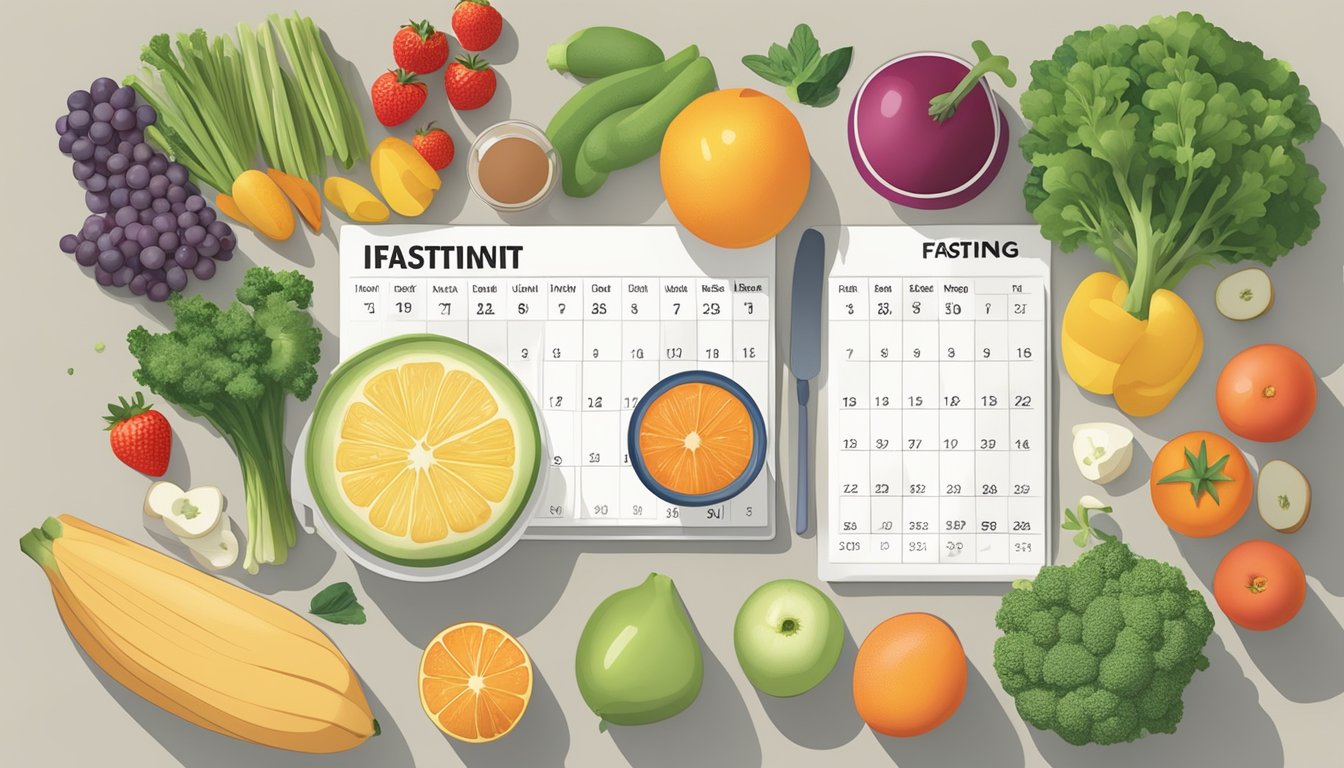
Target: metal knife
(805,350)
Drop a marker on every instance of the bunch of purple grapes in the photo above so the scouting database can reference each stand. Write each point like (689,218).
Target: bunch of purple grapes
(149,226)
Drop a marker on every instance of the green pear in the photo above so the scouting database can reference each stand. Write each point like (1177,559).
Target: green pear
(639,659)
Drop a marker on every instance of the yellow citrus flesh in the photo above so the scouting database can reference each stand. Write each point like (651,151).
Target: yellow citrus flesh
(475,681)
(424,454)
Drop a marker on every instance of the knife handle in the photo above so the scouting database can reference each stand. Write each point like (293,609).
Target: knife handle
(804,470)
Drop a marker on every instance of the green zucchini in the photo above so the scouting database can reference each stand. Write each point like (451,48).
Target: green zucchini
(595,101)
(601,51)
(638,135)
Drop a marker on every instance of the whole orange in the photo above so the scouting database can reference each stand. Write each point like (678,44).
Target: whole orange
(909,675)
(735,167)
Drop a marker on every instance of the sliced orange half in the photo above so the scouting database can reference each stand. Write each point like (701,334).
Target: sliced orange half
(696,438)
(475,681)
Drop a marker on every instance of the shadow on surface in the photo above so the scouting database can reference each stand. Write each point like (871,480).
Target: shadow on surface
(824,717)
(979,734)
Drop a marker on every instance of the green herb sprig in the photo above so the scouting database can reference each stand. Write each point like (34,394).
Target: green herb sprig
(808,76)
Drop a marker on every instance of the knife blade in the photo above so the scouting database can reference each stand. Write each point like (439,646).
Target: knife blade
(805,351)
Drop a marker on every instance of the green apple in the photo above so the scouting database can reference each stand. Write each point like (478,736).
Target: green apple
(788,637)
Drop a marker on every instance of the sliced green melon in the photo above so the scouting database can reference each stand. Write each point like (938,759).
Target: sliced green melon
(423,449)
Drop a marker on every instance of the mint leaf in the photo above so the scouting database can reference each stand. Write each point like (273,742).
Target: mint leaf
(337,603)
(825,80)
(781,58)
(806,52)
(767,70)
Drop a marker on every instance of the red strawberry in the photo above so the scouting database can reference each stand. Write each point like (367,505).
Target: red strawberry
(435,145)
(469,83)
(140,435)
(397,95)
(418,48)
(477,24)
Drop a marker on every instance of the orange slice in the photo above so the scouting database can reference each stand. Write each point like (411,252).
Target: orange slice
(475,681)
(696,438)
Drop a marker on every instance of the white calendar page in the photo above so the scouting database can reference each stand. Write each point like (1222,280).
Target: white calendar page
(938,405)
(588,319)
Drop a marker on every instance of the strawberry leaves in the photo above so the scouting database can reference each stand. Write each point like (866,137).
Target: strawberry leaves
(807,76)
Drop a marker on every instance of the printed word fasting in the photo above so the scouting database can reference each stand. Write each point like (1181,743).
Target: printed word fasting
(383,256)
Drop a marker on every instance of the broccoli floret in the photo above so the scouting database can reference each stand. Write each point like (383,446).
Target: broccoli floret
(236,367)
(1109,669)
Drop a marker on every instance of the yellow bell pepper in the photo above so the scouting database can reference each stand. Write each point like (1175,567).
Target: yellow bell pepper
(1108,351)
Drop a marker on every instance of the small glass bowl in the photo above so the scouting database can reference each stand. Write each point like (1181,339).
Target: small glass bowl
(504,130)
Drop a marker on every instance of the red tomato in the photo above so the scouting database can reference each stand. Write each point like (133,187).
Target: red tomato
(1260,585)
(1266,393)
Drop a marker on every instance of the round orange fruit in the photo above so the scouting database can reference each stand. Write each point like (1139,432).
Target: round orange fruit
(475,681)
(909,675)
(735,167)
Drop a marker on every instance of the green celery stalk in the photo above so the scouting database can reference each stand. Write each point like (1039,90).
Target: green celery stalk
(305,129)
(258,91)
(314,56)
(304,80)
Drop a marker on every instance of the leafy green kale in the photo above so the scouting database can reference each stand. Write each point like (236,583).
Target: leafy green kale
(1169,146)
(1100,651)
(235,368)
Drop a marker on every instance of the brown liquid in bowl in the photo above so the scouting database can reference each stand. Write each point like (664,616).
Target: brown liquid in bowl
(514,170)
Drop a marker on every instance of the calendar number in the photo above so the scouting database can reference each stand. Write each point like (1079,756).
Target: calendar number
(1022,445)
(1024,353)
(403,307)
(600,509)
(951,353)
(884,545)
(555,401)
(369,307)
(1019,309)
(881,443)
(850,526)
(630,402)
(445,308)
(595,402)
(917,546)
(555,352)
(637,354)
(851,444)
(988,489)
(849,402)
(915,401)
(951,401)
(953,547)
(954,489)
(848,546)
(914,443)
(750,306)
(599,308)
(673,353)
(1022,525)
(749,353)
(918,525)
(557,460)
(881,488)
(561,307)
(1021,489)
(1022,401)
(710,308)
(950,308)
(712,353)
(676,308)
(594,458)
(915,307)
(849,489)
(951,443)
(918,489)
(881,401)
(672,513)
(634,309)
(984,353)
(523,308)
(485,308)
(1022,546)
(955,525)
(883,308)
(988,443)
(988,526)
(989,400)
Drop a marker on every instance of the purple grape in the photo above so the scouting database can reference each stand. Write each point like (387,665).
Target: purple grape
(102,154)
(204,269)
(93,227)
(194,235)
(119,198)
(125,147)
(161,205)
(141,199)
(177,278)
(62,125)
(83,169)
(100,133)
(104,241)
(177,173)
(79,120)
(122,276)
(79,100)
(177,195)
(169,241)
(133,261)
(96,202)
(103,112)
(146,237)
(185,256)
(155,275)
(133,228)
(142,153)
(137,177)
(158,186)
(129,248)
(152,257)
(111,259)
(226,245)
(69,243)
(67,142)
(147,216)
(207,217)
(116,181)
(217,228)
(158,164)
(187,219)
(102,276)
(165,222)
(159,291)
(145,115)
(96,183)
(178,209)
(81,149)
(195,203)
(118,163)
(209,247)
(136,136)
(86,255)
(123,120)
(138,285)
(102,89)
(123,97)
(117,236)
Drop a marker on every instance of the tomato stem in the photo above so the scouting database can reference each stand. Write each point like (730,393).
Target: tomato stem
(1258,584)
(1269,391)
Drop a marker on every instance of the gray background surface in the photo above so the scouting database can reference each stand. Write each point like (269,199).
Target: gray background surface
(1268,699)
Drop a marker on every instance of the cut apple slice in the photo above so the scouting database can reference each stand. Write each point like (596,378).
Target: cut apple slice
(1284,496)
(1102,451)
(216,551)
(1244,295)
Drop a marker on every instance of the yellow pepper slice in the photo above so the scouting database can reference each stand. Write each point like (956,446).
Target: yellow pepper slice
(1108,351)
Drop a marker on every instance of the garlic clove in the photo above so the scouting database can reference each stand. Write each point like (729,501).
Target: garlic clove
(215,551)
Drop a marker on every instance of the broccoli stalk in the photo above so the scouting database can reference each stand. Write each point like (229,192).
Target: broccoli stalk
(1169,146)
(235,368)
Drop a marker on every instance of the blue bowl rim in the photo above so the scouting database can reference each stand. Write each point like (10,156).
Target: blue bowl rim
(754,464)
